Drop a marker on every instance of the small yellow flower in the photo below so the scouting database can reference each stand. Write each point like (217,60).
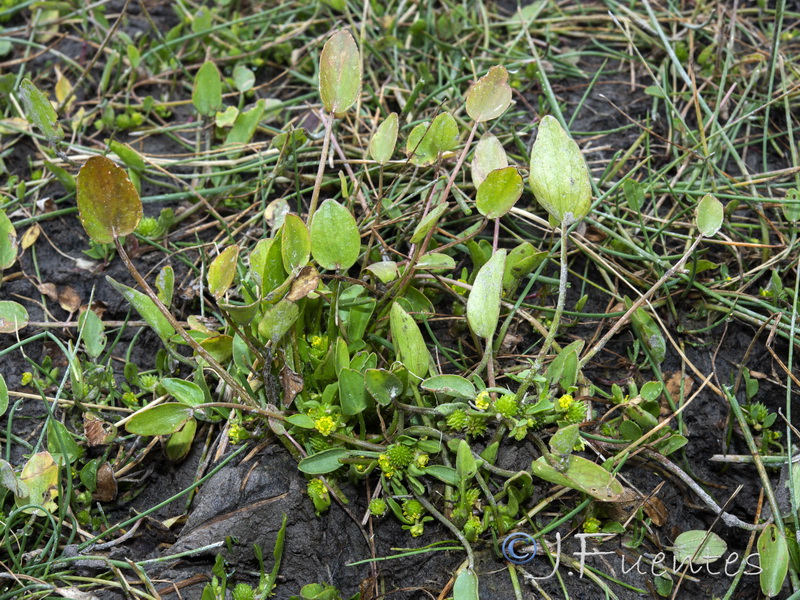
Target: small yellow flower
(483,400)
(591,525)
(386,466)
(27,377)
(325,425)
(422,460)
(565,401)
(315,341)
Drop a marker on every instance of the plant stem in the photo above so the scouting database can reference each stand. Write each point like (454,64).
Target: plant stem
(328,122)
(554,325)
(204,354)
(447,523)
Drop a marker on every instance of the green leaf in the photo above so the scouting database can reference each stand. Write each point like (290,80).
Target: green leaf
(408,342)
(352,392)
(301,420)
(13,316)
(710,213)
(295,243)
(58,434)
(277,321)
(483,304)
(558,175)
(39,477)
(634,194)
(8,242)
(663,584)
(63,176)
(466,465)
(564,440)
(40,112)
(323,462)
(108,203)
(219,346)
(335,241)
(92,333)
(131,158)
(436,261)
(243,78)
(521,261)
(450,385)
(384,140)
(146,308)
(183,391)
(490,96)
(582,475)
(165,285)
(446,474)
(704,546)
(207,91)
(773,556)
(163,419)
(791,206)
(428,140)
(489,155)
(3,396)
(466,586)
(180,442)
(427,223)
(648,331)
(222,271)
(386,271)
(499,192)
(245,126)
(339,73)
(383,385)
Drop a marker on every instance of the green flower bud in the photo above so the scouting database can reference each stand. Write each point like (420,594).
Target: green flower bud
(378,507)
(242,591)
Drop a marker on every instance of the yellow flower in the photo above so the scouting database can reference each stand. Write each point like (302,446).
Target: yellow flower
(565,401)
(483,400)
(325,425)
(386,466)
(315,341)
(422,460)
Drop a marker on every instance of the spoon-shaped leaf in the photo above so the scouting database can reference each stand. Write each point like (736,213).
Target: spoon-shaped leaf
(490,96)
(698,547)
(483,305)
(382,144)
(339,73)
(222,270)
(499,192)
(582,475)
(108,203)
(489,155)
(40,112)
(428,140)
(709,215)
(207,91)
(559,176)
(335,241)
(466,586)
(8,242)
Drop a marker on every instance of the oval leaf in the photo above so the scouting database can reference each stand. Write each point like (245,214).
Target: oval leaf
(559,176)
(274,325)
(323,462)
(698,547)
(436,261)
(163,419)
(40,112)
(39,477)
(185,392)
(222,271)
(295,243)
(383,141)
(710,213)
(339,73)
(490,96)
(13,316)
(352,392)
(499,192)
(383,385)
(428,140)
(489,155)
(450,385)
(92,333)
(207,91)
(773,555)
(483,304)
(408,342)
(335,241)
(427,223)
(108,203)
